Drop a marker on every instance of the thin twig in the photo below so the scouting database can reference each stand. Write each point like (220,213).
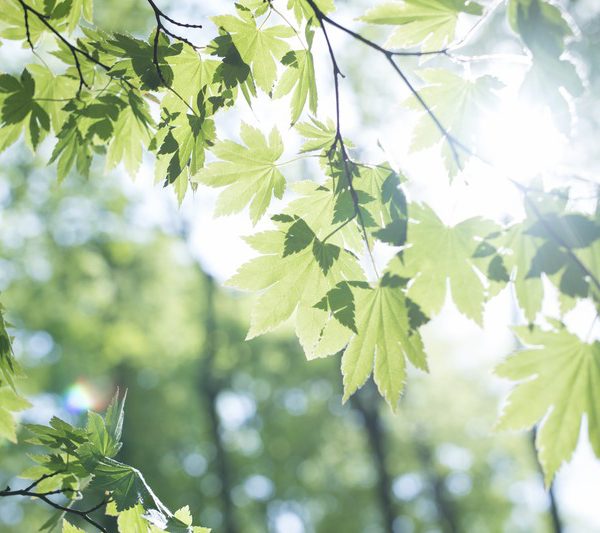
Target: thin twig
(44,496)
(75,50)
(160,27)
(338,228)
(159,15)
(172,21)
(339,139)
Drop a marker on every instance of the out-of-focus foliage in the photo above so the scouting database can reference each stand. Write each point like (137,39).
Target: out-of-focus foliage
(288,446)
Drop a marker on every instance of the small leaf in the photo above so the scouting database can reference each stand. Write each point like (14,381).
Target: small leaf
(297,237)
(249,172)
(430,24)
(326,254)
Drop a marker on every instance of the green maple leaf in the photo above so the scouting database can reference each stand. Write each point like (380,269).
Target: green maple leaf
(303,10)
(316,205)
(126,484)
(292,282)
(258,46)
(249,172)
(528,290)
(181,522)
(58,435)
(67,527)
(183,147)
(19,107)
(430,24)
(12,23)
(50,93)
(9,367)
(459,104)
(191,73)
(131,135)
(69,12)
(439,254)
(544,28)
(340,301)
(299,77)
(132,520)
(383,343)
(133,59)
(548,246)
(79,9)
(318,135)
(385,204)
(541,25)
(559,383)
(10,402)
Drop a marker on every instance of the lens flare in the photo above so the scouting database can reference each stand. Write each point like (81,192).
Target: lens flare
(82,396)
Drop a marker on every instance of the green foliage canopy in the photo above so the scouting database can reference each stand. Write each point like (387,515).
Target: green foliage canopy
(119,97)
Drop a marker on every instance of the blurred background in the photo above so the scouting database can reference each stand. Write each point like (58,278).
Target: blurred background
(108,283)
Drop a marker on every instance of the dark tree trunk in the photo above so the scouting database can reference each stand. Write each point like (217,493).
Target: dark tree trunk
(362,401)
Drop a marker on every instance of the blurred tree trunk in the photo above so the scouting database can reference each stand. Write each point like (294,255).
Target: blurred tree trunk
(209,387)
(363,402)
(444,504)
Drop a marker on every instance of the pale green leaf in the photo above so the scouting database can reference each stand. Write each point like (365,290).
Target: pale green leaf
(132,134)
(559,384)
(299,77)
(459,104)
(249,172)
(441,255)
(10,403)
(430,24)
(258,46)
(383,342)
(67,527)
(294,282)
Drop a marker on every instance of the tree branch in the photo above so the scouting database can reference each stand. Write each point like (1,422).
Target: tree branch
(339,139)
(44,496)
(160,27)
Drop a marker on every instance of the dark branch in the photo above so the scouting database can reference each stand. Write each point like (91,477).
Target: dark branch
(75,50)
(172,21)
(160,15)
(339,139)
(160,27)
(389,55)
(44,496)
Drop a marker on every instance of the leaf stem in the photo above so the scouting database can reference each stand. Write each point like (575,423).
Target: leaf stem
(338,228)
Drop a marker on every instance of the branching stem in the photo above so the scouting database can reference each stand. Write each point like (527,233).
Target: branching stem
(44,496)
